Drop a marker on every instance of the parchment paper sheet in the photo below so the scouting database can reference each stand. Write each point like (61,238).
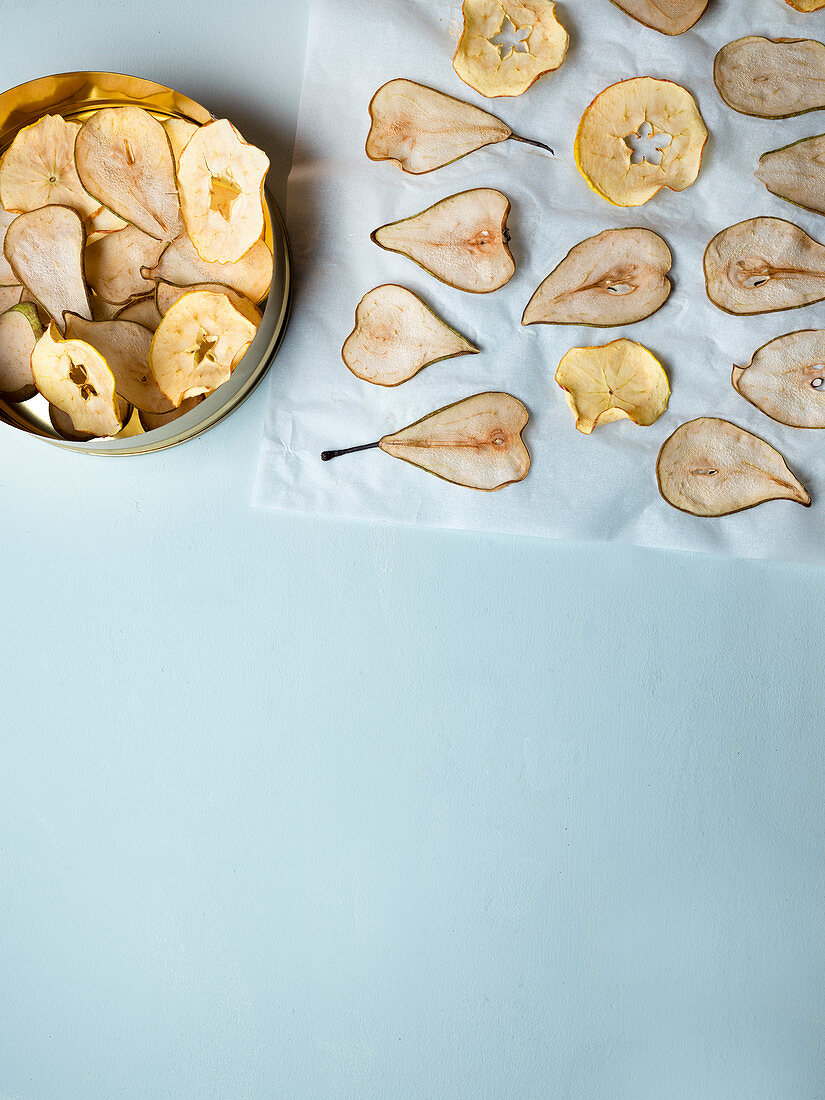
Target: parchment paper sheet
(600,487)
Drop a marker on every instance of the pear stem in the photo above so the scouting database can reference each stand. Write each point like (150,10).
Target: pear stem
(327,455)
(530,141)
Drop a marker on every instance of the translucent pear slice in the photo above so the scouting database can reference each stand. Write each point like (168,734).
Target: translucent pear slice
(144,312)
(763,265)
(114,263)
(73,376)
(771,77)
(475,442)
(45,250)
(125,160)
(180,264)
(785,379)
(38,169)
(420,129)
(617,277)
(709,467)
(506,45)
(667,16)
(220,182)
(796,173)
(150,421)
(20,329)
(395,335)
(461,240)
(604,149)
(167,294)
(125,347)
(621,380)
(200,340)
(179,131)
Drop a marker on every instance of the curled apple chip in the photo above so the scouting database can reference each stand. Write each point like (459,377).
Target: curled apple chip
(785,379)
(179,131)
(125,160)
(461,240)
(125,347)
(197,345)
(167,294)
(20,329)
(143,311)
(710,467)
(420,129)
(617,277)
(806,5)
(771,77)
(667,16)
(796,173)
(506,45)
(115,261)
(45,250)
(76,379)
(762,265)
(62,422)
(38,168)
(180,264)
(639,136)
(221,182)
(617,381)
(396,335)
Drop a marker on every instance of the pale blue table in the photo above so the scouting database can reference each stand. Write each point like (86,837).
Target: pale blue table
(302,809)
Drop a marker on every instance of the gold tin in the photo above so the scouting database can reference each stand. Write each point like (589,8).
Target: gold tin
(76,96)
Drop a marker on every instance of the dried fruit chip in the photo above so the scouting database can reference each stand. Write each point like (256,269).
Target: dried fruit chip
(709,467)
(10,296)
(506,45)
(639,136)
(102,221)
(420,129)
(796,173)
(143,311)
(197,345)
(7,276)
(73,376)
(125,160)
(395,335)
(167,294)
(620,380)
(771,77)
(45,250)
(38,169)
(806,5)
(221,182)
(180,264)
(475,442)
(114,263)
(617,277)
(62,422)
(763,265)
(125,347)
(785,379)
(461,240)
(667,16)
(20,329)
(179,131)
(150,421)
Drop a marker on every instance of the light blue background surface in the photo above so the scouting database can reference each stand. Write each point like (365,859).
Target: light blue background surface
(297,808)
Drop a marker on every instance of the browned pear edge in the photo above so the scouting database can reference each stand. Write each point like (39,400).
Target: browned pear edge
(747,114)
(737,373)
(770,190)
(670,34)
(733,511)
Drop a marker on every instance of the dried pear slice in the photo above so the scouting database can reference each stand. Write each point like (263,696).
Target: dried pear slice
(617,277)
(10,296)
(771,77)
(143,311)
(506,45)
(102,221)
(621,380)
(38,169)
(806,5)
(709,467)
(179,131)
(667,16)
(180,264)
(396,335)
(20,329)
(475,442)
(639,136)
(796,173)
(45,250)
(125,347)
(763,265)
(785,379)
(200,340)
(221,186)
(461,240)
(125,160)
(167,294)
(115,262)
(7,276)
(420,129)
(73,376)
(150,421)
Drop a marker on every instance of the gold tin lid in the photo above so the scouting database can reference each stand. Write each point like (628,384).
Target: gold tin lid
(77,96)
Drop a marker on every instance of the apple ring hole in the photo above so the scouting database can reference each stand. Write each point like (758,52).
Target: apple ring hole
(510,39)
(647,145)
